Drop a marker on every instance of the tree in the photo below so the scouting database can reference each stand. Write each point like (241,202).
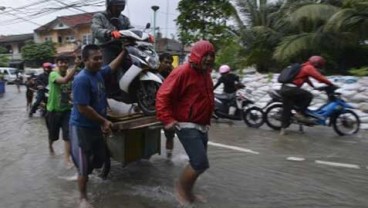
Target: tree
(205,19)
(36,53)
(258,31)
(4,59)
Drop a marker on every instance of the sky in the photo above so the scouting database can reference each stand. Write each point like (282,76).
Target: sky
(23,16)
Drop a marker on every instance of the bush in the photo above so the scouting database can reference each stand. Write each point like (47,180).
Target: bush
(359,72)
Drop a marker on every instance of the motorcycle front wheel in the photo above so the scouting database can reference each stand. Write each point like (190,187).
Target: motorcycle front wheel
(146,97)
(253,117)
(273,115)
(346,123)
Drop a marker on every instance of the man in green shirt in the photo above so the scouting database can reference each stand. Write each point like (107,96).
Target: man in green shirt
(59,105)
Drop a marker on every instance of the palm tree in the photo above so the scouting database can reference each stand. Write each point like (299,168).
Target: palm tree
(258,31)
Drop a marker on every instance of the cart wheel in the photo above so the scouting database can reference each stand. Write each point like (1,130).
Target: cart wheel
(105,170)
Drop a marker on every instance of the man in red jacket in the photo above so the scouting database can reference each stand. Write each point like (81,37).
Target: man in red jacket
(185,101)
(292,93)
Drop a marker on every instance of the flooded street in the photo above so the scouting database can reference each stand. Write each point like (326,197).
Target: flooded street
(253,168)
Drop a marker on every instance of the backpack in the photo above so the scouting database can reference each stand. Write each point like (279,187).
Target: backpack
(288,74)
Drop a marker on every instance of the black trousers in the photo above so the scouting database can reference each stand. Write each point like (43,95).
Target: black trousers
(293,96)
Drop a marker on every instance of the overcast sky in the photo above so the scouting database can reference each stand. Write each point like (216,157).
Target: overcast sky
(18,16)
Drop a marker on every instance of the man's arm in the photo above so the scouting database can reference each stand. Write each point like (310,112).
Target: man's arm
(91,114)
(219,81)
(168,91)
(99,30)
(70,74)
(116,63)
(313,72)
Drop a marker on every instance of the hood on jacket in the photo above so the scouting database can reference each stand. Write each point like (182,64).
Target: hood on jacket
(199,50)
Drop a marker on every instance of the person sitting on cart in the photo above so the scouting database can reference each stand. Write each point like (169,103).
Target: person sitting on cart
(88,122)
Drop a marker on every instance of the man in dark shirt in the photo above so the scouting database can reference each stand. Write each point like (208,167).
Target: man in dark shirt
(42,81)
(165,69)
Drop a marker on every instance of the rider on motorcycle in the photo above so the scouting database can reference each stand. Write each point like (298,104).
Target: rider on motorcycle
(231,84)
(42,81)
(105,29)
(292,94)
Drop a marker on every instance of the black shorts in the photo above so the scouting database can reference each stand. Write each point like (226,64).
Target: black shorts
(88,148)
(56,121)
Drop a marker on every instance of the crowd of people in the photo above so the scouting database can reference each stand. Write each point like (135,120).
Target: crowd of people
(77,102)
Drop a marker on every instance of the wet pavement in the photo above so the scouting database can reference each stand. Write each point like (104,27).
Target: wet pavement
(253,168)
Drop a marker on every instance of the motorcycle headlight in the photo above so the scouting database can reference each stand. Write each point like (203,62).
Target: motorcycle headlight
(152,62)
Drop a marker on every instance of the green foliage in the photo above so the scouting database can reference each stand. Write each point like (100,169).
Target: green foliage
(38,52)
(229,53)
(4,58)
(206,19)
(360,72)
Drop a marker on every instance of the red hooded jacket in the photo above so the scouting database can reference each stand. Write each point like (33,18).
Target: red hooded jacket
(187,93)
(308,70)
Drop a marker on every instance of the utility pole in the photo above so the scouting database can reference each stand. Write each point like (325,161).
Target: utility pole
(154,8)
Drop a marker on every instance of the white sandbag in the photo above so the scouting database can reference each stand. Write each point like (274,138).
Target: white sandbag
(359,98)
(363,107)
(354,86)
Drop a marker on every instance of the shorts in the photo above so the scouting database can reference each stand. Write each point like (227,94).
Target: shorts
(195,145)
(56,121)
(88,149)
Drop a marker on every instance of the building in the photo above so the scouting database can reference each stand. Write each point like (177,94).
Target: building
(68,32)
(13,44)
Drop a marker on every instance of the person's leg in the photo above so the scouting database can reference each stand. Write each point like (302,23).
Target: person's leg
(80,159)
(304,99)
(287,103)
(40,96)
(53,125)
(169,134)
(65,129)
(195,145)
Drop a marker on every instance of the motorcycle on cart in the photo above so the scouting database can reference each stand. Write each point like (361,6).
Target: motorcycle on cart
(136,135)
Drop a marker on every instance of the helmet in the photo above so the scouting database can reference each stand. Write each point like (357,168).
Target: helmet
(115,3)
(47,65)
(317,61)
(224,69)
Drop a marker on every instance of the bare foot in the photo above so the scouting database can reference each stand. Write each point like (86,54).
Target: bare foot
(85,204)
(180,196)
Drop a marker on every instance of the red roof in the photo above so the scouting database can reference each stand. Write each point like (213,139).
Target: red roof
(74,20)
(71,20)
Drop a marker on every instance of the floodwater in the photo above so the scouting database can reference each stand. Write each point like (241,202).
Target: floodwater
(253,168)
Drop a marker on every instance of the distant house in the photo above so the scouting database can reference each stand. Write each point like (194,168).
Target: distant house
(14,44)
(69,32)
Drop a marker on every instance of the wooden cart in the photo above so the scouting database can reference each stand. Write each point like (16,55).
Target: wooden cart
(134,137)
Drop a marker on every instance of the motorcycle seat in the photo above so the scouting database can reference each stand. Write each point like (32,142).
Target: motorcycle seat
(223,96)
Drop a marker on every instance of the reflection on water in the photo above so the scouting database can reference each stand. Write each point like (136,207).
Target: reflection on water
(30,178)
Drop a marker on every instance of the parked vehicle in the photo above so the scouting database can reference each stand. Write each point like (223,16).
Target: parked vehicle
(245,108)
(335,112)
(10,74)
(140,82)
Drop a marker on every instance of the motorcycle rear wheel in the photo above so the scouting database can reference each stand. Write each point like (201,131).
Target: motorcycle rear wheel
(146,97)
(346,123)
(272,116)
(253,117)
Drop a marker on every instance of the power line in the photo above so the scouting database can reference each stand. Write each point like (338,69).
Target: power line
(46,10)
